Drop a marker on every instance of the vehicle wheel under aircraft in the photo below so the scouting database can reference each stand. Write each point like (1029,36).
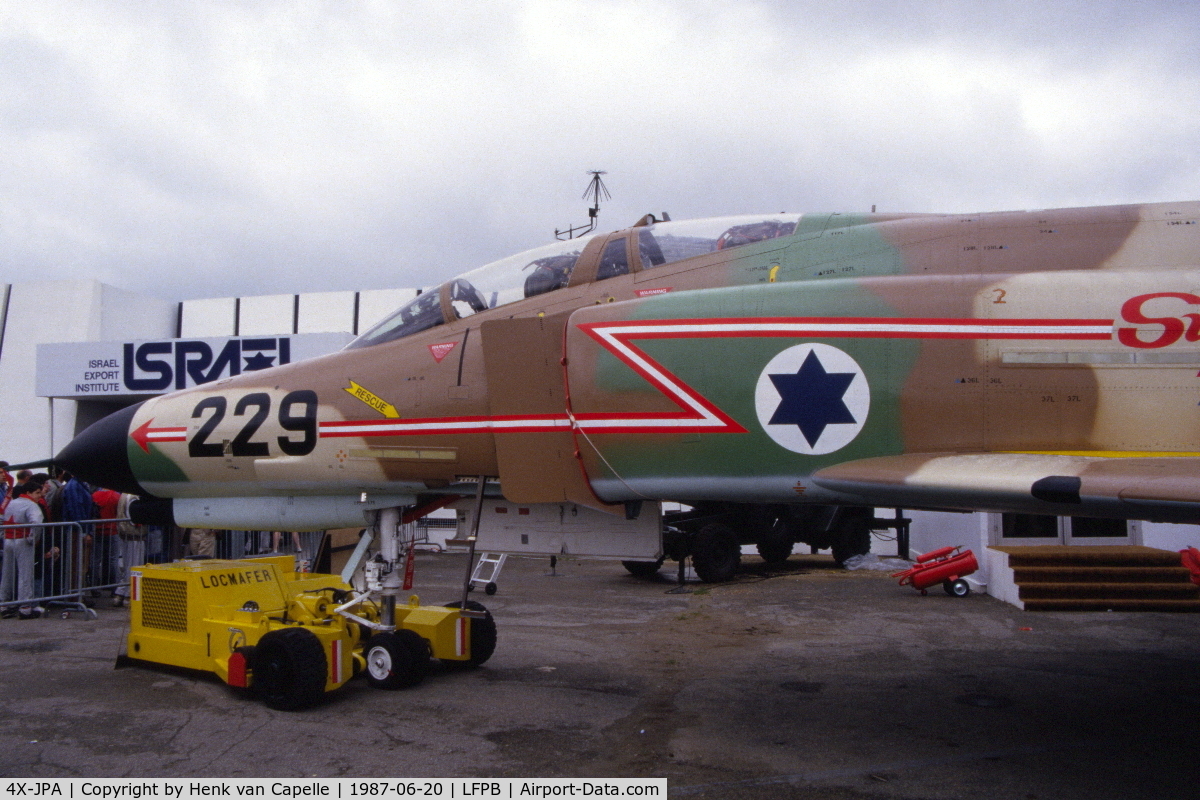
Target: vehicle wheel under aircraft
(289,669)
(775,552)
(396,659)
(776,544)
(642,569)
(716,553)
(958,588)
(483,636)
(853,539)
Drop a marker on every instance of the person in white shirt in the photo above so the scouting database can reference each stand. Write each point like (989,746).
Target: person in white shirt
(19,545)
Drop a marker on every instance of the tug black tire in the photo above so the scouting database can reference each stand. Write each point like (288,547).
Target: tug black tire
(482,636)
(289,669)
(396,659)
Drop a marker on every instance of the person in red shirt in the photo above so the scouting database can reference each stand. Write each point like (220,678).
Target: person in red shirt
(105,553)
(6,486)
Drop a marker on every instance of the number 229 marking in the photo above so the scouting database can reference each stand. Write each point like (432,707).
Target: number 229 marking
(302,420)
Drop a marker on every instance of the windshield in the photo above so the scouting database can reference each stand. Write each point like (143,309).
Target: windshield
(668,242)
(423,311)
(533,272)
(526,274)
(547,268)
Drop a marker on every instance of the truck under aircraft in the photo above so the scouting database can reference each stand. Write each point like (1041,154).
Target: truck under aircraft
(780,375)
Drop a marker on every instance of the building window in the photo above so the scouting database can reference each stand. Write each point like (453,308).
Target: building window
(1029,526)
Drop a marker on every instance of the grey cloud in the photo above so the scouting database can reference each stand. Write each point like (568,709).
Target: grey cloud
(199,149)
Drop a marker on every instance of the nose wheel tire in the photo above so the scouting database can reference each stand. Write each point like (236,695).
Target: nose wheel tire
(396,659)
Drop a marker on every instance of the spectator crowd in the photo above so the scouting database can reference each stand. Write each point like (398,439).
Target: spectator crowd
(64,539)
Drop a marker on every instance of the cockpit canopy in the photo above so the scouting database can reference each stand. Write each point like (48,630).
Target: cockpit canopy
(549,268)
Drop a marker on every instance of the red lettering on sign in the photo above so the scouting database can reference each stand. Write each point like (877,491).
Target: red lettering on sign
(1186,326)
(440,351)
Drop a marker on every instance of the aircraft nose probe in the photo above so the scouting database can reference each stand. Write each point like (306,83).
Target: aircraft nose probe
(100,454)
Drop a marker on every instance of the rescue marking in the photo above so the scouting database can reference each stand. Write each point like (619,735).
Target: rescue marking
(373,400)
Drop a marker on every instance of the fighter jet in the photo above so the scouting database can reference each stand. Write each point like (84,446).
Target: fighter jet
(779,374)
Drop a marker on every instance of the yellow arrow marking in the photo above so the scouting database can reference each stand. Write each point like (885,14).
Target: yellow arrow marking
(373,400)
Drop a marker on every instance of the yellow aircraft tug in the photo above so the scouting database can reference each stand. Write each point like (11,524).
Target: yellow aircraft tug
(290,636)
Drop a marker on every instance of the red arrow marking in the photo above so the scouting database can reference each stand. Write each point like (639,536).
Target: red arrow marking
(145,435)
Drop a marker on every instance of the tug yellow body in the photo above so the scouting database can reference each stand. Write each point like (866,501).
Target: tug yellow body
(291,636)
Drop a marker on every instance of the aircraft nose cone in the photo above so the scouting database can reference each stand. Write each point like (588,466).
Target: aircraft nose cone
(100,454)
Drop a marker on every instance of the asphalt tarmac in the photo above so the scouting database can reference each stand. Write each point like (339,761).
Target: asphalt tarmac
(804,681)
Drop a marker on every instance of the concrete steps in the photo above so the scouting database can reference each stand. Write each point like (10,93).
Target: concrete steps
(1092,578)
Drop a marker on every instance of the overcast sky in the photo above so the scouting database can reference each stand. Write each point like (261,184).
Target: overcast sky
(204,149)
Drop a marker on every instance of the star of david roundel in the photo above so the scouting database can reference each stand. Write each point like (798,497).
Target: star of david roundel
(812,399)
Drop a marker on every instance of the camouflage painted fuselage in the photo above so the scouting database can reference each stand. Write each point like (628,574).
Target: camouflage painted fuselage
(1038,361)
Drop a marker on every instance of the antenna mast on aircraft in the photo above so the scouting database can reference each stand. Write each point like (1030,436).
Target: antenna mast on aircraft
(597,191)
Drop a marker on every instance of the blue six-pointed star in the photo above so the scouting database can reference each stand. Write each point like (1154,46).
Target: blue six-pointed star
(258,361)
(812,398)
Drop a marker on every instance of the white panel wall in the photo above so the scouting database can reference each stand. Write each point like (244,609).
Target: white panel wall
(126,316)
(325,312)
(213,317)
(267,315)
(1167,536)
(61,311)
(933,529)
(375,304)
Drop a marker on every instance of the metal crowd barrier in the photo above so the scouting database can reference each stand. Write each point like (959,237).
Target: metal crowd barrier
(67,571)
(305,545)
(61,563)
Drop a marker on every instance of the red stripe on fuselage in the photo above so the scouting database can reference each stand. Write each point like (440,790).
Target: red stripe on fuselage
(697,414)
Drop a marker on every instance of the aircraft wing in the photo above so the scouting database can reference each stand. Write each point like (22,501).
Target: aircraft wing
(1138,486)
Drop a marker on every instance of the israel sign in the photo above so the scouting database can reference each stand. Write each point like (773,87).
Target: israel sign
(112,369)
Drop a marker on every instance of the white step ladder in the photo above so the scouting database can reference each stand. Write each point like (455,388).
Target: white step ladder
(487,571)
